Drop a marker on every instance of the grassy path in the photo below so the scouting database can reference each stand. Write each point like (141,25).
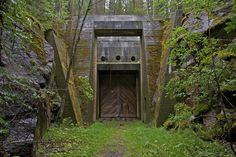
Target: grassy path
(126,139)
(116,146)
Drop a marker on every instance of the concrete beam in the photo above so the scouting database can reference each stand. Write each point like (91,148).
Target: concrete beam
(72,106)
(118,28)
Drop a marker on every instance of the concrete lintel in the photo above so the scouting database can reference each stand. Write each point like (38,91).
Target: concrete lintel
(118,28)
(103,67)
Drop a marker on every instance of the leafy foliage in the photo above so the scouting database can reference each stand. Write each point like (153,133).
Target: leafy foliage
(182,118)
(232,24)
(24,21)
(3,126)
(198,63)
(127,7)
(14,90)
(202,71)
(29,14)
(85,89)
(85,95)
(164,8)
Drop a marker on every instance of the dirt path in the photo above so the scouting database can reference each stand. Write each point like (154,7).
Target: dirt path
(117,146)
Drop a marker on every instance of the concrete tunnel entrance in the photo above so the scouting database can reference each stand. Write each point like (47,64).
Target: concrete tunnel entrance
(119,71)
(119,45)
(118,77)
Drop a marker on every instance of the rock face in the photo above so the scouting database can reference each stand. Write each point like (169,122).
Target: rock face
(199,24)
(23,74)
(202,22)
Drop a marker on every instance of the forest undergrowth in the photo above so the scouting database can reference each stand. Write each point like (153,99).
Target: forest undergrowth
(122,138)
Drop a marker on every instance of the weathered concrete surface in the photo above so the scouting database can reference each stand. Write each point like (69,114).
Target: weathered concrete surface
(149,30)
(164,105)
(61,61)
(125,47)
(118,28)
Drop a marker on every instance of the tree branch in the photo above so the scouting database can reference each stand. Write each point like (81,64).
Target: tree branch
(76,41)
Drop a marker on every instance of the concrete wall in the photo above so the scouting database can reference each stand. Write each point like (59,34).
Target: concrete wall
(150,32)
(164,105)
(125,47)
(60,66)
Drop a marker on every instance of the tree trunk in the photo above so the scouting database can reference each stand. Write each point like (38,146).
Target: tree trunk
(99,7)
(1,32)
(150,7)
(43,122)
(3,8)
(73,8)
(112,7)
(119,8)
(58,8)
(75,43)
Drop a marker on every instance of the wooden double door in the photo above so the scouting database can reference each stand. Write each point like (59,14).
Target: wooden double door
(118,94)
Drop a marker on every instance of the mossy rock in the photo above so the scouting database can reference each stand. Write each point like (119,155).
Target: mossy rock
(201,109)
(233,64)
(234,125)
(169,124)
(181,108)
(220,117)
(183,124)
(216,131)
(38,47)
(181,119)
(205,136)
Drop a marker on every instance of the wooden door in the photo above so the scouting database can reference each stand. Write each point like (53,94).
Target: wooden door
(118,95)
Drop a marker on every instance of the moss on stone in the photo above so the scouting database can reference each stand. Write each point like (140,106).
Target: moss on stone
(201,109)
(169,124)
(38,47)
(216,131)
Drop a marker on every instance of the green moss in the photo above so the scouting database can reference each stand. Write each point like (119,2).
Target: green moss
(3,126)
(182,118)
(169,124)
(86,97)
(234,125)
(38,47)
(208,134)
(84,87)
(201,109)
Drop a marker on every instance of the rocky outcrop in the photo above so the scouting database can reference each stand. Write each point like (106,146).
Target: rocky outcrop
(23,75)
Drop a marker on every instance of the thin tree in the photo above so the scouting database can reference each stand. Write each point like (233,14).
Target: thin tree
(3,8)
(76,40)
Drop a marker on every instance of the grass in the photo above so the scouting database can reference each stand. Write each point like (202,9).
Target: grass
(153,142)
(74,141)
(131,139)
